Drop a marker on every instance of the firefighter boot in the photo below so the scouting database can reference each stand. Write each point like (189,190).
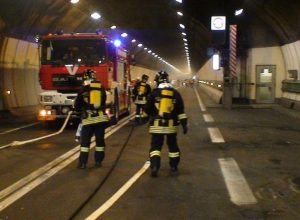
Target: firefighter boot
(98,164)
(174,169)
(154,172)
(81,166)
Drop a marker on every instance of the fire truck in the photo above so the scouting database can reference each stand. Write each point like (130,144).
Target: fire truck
(64,58)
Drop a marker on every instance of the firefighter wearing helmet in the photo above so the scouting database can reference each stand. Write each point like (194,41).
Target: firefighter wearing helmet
(140,92)
(165,108)
(90,103)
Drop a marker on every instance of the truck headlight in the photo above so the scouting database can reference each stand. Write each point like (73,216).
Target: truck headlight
(45,112)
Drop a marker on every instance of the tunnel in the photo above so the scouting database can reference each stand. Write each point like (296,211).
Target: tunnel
(233,66)
(266,38)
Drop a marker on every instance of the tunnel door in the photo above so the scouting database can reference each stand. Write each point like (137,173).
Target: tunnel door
(265,83)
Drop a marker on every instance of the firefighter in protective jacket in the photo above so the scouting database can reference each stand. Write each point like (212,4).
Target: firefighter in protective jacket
(90,103)
(140,92)
(165,108)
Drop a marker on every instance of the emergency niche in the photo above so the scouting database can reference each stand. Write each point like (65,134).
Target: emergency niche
(166,104)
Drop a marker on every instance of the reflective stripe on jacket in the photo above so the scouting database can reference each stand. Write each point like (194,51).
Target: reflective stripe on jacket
(94,119)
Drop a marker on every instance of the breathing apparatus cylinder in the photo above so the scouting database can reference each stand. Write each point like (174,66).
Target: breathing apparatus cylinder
(166,103)
(95,94)
(142,89)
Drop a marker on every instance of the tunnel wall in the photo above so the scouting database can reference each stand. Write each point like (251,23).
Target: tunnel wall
(292,62)
(256,56)
(19,66)
(292,58)
(207,73)
(137,72)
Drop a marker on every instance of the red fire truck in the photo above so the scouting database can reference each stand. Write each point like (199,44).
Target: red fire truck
(64,58)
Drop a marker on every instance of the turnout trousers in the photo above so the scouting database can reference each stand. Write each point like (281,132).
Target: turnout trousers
(157,142)
(140,113)
(87,133)
(140,109)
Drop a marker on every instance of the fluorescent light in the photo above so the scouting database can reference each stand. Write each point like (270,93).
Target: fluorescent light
(184,39)
(124,35)
(74,1)
(184,34)
(133,40)
(140,45)
(180,1)
(179,13)
(182,26)
(238,12)
(113,27)
(96,15)
(216,62)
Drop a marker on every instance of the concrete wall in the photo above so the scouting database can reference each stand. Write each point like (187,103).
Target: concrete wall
(291,53)
(256,56)
(19,66)
(206,72)
(137,72)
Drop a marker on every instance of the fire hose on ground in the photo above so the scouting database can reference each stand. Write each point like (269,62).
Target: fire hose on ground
(18,143)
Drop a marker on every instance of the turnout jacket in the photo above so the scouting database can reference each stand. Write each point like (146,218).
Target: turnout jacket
(165,124)
(140,92)
(90,114)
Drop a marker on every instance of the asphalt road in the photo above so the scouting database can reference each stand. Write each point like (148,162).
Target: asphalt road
(241,163)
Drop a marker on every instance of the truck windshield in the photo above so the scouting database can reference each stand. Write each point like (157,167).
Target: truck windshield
(66,51)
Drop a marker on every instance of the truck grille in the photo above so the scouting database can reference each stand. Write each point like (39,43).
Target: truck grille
(67,80)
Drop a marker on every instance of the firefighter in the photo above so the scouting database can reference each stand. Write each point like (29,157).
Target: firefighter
(140,92)
(90,102)
(165,108)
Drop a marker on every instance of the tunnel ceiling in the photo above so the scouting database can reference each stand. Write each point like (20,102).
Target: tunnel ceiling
(155,23)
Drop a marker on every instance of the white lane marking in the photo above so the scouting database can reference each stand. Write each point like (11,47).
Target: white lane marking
(208,118)
(27,188)
(237,186)
(215,135)
(24,185)
(36,173)
(15,129)
(118,194)
(202,107)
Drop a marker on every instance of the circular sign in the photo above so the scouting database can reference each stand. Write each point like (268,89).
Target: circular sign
(218,23)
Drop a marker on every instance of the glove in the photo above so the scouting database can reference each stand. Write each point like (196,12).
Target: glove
(185,129)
